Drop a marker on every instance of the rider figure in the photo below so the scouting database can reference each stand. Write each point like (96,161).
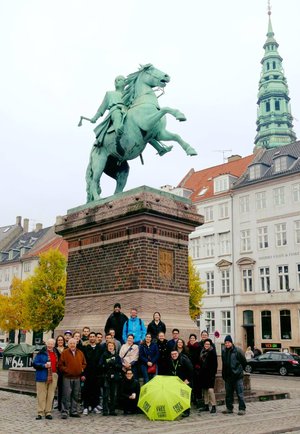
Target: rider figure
(112,102)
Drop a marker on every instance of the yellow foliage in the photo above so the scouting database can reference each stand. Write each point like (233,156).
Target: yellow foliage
(196,290)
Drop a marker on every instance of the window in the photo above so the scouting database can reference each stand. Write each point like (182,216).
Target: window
(6,275)
(210,283)
(280,235)
(266,324)
(268,106)
(209,245)
(223,210)
(255,171)
(264,275)
(224,243)
(277,105)
(247,280)
(260,200)
(226,322)
(278,195)
(225,281)
(221,184)
(274,66)
(27,267)
(244,204)
(297,231)
(195,247)
(262,236)
(208,213)
(283,277)
(298,272)
(245,241)
(280,164)
(296,192)
(285,324)
(248,317)
(210,321)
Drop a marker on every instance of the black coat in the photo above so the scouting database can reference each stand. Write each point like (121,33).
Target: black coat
(233,363)
(164,355)
(111,365)
(208,368)
(116,321)
(128,387)
(154,328)
(182,368)
(92,357)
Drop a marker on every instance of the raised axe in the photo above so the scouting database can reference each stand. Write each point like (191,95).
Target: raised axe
(83,117)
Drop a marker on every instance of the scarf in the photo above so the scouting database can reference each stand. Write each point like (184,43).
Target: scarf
(49,375)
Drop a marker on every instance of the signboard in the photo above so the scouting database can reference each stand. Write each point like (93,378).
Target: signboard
(17,361)
(271,346)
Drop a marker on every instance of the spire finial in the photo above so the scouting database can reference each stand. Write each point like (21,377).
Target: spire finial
(269,7)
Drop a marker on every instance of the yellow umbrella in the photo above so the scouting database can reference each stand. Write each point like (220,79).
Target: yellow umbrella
(164,398)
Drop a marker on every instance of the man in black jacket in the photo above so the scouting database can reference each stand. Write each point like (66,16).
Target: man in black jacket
(181,366)
(116,321)
(233,365)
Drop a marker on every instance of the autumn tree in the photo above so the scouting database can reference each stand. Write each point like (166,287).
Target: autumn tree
(196,290)
(12,307)
(45,295)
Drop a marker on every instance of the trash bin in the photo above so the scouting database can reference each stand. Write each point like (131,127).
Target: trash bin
(18,356)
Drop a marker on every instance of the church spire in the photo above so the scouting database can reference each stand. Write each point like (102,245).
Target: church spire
(274,119)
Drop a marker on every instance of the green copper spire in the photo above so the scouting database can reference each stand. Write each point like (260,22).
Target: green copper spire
(274,119)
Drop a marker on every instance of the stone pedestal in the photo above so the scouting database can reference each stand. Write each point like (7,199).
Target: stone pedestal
(130,248)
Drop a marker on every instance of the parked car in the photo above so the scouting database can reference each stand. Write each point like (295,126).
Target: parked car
(2,347)
(273,361)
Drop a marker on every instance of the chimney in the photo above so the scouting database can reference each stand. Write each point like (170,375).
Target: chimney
(25,225)
(38,227)
(233,158)
(18,220)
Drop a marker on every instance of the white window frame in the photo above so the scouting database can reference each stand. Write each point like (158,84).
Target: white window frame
(278,196)
(247,280)
(210,283)
(264,278)
(208,213)
(224,243)
(209,245)
(260,200)
(280,164)
(244,204)
(296,192)
(262,238)
(226,322)
(27,267)
(225,282)
(223,210)
(245,240)
(211,320)
(280,234)
(221,183)
(297,231)
(283,277)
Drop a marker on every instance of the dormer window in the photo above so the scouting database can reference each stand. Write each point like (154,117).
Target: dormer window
(254,171)
(11,254)
(202,191)
(221,183)
(280,164)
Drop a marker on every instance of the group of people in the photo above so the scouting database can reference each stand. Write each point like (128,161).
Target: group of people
(102,374)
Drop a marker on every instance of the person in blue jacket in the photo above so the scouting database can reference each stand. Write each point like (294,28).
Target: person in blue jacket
(135,326)
(148,357)
(45,363)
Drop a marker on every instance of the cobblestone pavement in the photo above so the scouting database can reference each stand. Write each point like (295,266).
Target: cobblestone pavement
(17,416)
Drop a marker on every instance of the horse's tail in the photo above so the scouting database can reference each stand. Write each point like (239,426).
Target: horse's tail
(89,177)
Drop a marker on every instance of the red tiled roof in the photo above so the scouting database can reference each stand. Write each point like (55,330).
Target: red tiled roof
(196,181)
(56,243)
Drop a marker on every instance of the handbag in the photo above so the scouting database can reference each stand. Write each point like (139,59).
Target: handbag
(152,369)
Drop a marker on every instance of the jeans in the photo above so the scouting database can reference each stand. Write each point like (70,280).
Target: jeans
(146,376)
(232,385)
(70,395)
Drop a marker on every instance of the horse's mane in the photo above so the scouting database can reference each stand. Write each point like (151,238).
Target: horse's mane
(130,81)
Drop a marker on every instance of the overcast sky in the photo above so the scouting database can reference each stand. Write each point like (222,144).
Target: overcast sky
(59,57)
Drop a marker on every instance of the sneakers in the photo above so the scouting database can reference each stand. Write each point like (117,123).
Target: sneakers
(213,409)
(96,410)
(227,411)
(241,412)
(99,407)
(64,416)
(85,411)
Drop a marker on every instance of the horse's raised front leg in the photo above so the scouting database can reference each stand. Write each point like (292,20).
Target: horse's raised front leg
(167,135)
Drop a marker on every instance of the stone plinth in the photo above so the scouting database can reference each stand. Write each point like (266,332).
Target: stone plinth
(130,248)
(22,378)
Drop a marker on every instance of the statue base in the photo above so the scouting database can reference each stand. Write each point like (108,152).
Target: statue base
(130,248)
